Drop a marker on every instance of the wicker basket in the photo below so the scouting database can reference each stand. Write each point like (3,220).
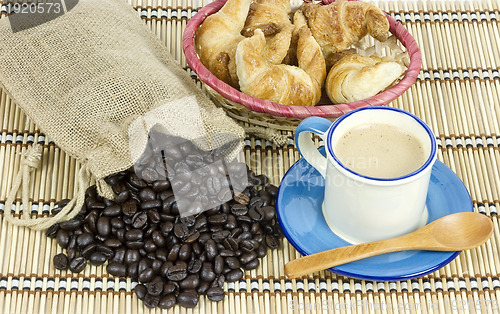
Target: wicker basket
(272,115)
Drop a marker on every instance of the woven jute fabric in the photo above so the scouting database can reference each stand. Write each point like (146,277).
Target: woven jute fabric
(85,77)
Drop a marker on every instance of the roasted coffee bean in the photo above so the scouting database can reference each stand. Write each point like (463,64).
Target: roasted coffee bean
(217,219)
(122,196)
(203,287)
(226,253)
(218,264)
(248,257)
(103,226)
(166,228)
(62,237)
(52,231)
(253,264)
(160,185)
(244,220)
(261,251)
(239,209)
(117,223)
(272,190)
(269,212)
(194,266)
(268,229)
(88,250)
(71,225)
(234,275)
(177,272)
(94,204)
(187,299)
(231,222)
(184,252)
(235,232)
(140,291)
(129,208)
(131,256)
(117,269)
(246,235)
(149,246)
(192,237)
(215,294)
(112,210)
(170,287)
(220,236)
(232,262)
(174,252)
(72,253)
(271,242)
(190,282)
(158,239)
(84,239)
(156,266)
(134,235)
(241,199)
(155,287)
(200,222)
(146,275)
(153,204)
(247,246)
(167,301)
(149,175)
(136,182)
(132,270)
(211,249)
(143,264)
(105,250)
(230,244)
(77,264)
(218,281)
(207,273)
(161,254)
(181,231)
(139,220)
(151,301)
(135,245)
(153,216)
(61,261)
(112,243)
(97,258)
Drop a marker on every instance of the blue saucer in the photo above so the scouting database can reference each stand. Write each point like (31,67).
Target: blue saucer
(299,212)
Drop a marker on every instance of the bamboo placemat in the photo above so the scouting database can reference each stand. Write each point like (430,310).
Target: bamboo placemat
(457,94)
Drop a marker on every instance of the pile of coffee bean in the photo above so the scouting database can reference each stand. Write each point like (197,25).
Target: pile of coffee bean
(174,258)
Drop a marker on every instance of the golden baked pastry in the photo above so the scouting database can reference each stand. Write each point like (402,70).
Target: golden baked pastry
(217,38)
(271,16)
(340,24)
(283,84)
(357,77)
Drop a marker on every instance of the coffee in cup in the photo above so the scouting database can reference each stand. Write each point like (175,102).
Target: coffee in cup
(380,150)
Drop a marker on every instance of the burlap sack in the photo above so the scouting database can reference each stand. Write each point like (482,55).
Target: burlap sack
(84,78)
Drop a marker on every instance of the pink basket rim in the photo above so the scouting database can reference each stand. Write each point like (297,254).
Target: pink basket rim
(266,106)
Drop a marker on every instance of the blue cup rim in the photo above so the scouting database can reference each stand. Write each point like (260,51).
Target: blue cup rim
(428,163)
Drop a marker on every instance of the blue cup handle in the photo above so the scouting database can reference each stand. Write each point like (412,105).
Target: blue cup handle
(305,145)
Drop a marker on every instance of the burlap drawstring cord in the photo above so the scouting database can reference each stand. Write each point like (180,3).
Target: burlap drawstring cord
(30,159)
(269,134)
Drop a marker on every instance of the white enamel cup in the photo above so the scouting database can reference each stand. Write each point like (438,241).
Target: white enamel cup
(359,208)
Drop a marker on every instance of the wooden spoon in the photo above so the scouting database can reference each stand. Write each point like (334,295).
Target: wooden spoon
(455,232)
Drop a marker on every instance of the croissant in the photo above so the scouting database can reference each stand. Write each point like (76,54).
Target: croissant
(284,84)
(357,77)
(217,37)
(340,24)
(271,16)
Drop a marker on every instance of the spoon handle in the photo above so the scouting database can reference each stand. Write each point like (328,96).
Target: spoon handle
(326,259)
